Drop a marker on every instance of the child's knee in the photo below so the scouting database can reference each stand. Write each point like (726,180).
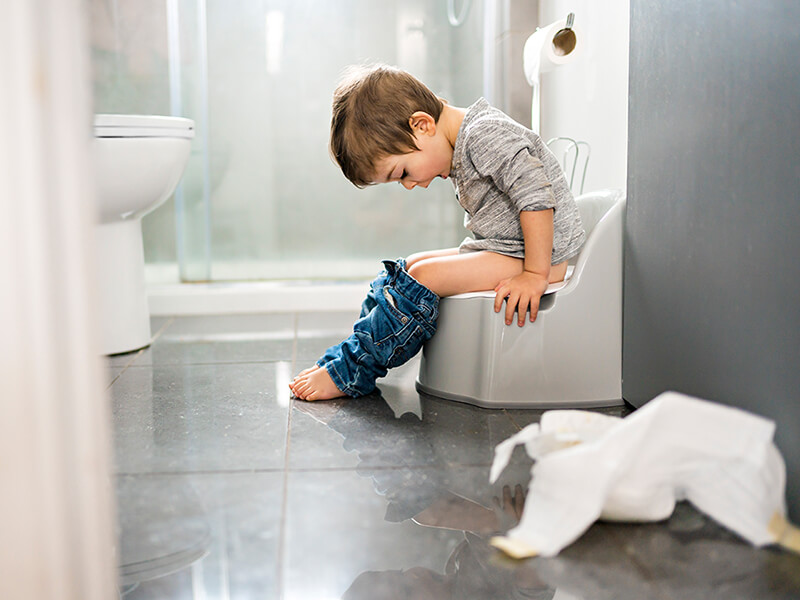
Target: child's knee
(427,255)
(413,259)
(426,272)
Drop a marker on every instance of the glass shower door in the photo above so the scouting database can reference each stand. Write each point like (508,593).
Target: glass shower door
(261,198)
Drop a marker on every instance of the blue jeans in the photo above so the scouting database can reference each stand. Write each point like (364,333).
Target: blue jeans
(397,318)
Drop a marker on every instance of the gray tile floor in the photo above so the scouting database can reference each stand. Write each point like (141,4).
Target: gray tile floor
(227,488)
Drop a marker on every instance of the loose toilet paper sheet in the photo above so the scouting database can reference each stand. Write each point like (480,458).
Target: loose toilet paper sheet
(590,466)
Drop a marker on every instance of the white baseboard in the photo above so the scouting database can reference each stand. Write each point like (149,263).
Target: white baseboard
(182,299)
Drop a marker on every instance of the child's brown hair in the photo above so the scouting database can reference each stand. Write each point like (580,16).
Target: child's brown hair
(371,111)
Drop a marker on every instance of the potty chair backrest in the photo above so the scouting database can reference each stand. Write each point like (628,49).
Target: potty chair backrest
(601,213)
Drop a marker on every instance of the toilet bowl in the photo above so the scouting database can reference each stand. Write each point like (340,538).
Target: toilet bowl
(138,161)
(570,357)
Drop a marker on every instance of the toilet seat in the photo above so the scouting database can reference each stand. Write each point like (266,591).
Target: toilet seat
(136,126)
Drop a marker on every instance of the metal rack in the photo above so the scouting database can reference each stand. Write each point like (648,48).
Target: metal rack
(571,169)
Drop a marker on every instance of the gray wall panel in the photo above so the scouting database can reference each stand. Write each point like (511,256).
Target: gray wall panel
(712,263)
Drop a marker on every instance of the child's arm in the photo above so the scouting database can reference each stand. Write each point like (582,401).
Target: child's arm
(527,288)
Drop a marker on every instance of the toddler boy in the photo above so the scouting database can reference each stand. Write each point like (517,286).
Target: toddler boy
(387,127)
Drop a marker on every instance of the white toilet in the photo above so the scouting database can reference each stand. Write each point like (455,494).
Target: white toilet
(138,161)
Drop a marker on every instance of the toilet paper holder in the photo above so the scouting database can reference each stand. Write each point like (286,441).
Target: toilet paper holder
(565,40)
(549,47)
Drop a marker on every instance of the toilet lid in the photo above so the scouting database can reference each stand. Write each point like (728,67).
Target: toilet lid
(142,126)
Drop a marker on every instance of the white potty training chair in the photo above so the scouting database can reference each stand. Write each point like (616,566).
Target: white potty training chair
(570,357)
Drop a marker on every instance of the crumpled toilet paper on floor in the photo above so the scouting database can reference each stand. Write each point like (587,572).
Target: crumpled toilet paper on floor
(590,466)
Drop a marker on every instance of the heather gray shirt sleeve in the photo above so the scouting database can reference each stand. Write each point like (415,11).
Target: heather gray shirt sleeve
(511,164)
(501,168)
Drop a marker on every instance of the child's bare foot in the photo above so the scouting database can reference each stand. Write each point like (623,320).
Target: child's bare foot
(316,385)
(302,374)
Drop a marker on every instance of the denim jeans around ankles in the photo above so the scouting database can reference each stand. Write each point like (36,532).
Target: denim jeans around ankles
(397,318)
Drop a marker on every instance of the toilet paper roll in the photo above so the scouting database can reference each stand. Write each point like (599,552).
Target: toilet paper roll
(549,47)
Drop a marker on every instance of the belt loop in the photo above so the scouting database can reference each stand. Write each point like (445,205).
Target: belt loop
(392,266)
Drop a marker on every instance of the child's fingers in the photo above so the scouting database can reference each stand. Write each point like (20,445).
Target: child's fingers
(499,297)
(502,289)
(534,308)
(522,310)
(511,304)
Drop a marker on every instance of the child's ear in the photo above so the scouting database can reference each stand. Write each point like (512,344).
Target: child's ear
(423,123)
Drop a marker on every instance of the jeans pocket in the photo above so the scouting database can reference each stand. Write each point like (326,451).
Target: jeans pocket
(397,305)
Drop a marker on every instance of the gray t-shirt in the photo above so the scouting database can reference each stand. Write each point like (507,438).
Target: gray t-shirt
(500,169)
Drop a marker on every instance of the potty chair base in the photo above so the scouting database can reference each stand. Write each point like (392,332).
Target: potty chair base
(571,357)
(494,365)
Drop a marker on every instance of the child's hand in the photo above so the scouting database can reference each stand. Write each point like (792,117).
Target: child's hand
(522,291)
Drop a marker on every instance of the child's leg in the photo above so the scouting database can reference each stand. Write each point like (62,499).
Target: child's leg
(451,274)
(369,302)
(367,306)
(405,263)
(445,273)
(403,318)
(420,256)
(315,384)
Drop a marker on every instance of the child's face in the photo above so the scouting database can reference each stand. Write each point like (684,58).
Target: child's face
(419,167)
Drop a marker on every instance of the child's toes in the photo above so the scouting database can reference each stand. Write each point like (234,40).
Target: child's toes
(305,372)
(302,389)
(302,375)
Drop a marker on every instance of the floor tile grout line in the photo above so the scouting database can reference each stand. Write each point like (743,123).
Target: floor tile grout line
(266,471)
(420,467)
(517,425)
(206,364)
(284,507)
(300,470)
(139,352)
(513,422)
(285,491)
(163,328)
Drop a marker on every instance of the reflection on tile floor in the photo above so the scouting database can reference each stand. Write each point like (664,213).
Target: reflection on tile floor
(227,488)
